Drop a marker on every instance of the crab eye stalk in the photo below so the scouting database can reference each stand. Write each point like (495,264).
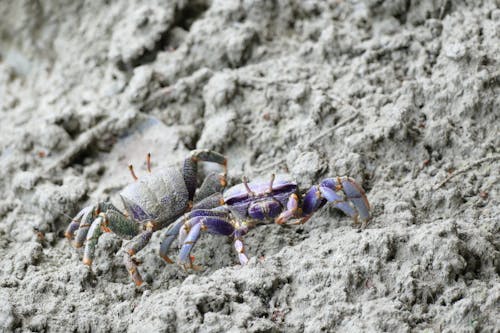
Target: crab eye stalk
(270,190)
(245,183)
(148,162)
(131,168)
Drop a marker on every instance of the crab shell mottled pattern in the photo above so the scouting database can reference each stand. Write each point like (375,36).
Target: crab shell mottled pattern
(239,200)
(159,196)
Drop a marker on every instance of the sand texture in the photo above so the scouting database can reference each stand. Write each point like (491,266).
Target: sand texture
(398,95)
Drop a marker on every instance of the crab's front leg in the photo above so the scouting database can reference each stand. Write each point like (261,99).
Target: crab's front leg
(173,230)
(343,192)
(215,225)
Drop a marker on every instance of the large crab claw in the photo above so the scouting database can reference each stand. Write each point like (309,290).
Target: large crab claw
(343,192)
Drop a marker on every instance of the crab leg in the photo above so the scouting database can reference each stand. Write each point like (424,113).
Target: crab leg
(75,222)
(213,225)
(190,168)
(92,238)
(115,221)
(212,201)
(84,226)
(292,209)
(344,193)
(83,220)
(353,203)
(239,246)
(121,225)
(105,222)
(136,245)
(168,237)
(213,183)
(174,229)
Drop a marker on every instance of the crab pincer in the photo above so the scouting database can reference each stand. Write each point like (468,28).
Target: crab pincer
(343,192)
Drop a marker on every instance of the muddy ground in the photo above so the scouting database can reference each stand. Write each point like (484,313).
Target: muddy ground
(396,94)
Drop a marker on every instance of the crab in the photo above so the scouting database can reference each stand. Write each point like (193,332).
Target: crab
(152,203)
(249,204)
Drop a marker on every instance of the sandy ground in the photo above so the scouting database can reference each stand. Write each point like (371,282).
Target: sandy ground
(410,88)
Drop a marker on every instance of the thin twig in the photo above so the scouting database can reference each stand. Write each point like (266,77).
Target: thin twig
(329,130)
(85,139)
(466,168)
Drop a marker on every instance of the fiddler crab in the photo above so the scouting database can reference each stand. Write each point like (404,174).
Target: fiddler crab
(168,200)
(152,203)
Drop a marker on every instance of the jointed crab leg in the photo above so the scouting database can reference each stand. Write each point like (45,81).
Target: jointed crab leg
(135,245)
(75,223)
(213,183)
(352,200)
(344,193)
(92,238)
(111,221)
(292,210)
(214,225)
(172,232)
(190,168)
(212,201)
(83,220)
(240,248)
(84,226)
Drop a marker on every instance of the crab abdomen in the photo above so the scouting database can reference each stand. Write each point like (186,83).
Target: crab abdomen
(160,196)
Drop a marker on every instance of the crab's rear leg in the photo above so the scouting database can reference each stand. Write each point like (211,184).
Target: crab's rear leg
(111,220)
(85,216)
(83,220)
(133,247)
(124,227)
(95,231)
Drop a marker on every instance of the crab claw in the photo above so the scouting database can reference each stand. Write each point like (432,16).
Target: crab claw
(348,196)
